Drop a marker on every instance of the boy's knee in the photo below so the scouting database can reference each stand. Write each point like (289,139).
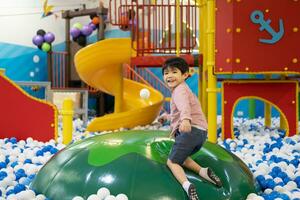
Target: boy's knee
(169,162)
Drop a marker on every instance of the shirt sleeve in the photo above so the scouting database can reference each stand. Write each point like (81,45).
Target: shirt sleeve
(181,100)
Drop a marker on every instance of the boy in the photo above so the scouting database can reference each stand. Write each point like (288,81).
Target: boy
(188,126)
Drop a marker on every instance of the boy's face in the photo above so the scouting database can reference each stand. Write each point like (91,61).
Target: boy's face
(173,77)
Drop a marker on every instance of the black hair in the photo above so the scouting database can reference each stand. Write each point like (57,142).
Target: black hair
(176,62)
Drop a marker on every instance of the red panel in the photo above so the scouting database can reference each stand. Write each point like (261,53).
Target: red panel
(256,56)
(281,94)
(22,116)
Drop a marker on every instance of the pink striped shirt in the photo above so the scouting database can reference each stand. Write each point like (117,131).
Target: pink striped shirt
(185,105)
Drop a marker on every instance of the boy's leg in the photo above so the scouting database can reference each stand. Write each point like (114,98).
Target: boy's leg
(177,171)
(179,174)
(206,173)
(192,165)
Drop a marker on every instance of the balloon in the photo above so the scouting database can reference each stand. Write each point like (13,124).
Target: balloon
(46,47)
(92,26)
(77,25)
(75,32)
(86,30)
(81,40)
(38,40)
(41,32)
(49,37)
(96,20)
(93,15)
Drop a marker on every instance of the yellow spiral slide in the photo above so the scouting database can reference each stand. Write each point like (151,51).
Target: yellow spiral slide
(100,66)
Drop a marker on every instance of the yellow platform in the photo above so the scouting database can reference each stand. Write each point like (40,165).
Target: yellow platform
(100,66)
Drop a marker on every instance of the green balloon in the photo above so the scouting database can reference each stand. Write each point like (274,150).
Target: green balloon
(46,47)
(77,25)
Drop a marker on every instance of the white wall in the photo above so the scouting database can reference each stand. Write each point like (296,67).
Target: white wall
(20,19)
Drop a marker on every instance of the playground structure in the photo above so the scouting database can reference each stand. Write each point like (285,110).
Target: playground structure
(160,29)
(25,116)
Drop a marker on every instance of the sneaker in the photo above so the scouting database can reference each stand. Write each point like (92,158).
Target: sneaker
(214,178)
(192,193)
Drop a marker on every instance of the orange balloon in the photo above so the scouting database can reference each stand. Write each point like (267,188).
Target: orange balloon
(96,20)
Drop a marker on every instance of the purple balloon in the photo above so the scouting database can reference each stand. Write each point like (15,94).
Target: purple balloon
(38,40)
(49,37)
(75,32)
(92,26)
(86,30)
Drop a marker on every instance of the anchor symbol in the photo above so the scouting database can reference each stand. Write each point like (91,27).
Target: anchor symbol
(257,17)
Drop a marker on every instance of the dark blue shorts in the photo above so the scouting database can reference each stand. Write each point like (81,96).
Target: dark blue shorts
(187,144)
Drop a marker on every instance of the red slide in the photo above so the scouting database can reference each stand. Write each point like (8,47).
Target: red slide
(23,116)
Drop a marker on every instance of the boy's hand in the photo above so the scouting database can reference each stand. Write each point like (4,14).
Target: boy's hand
(162,119)
(185,126)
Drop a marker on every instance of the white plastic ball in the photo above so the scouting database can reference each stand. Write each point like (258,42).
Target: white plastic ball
(103,192)
(78,198)
(40,197)
(110,197)
(93,197)
(144,93)
(121,197)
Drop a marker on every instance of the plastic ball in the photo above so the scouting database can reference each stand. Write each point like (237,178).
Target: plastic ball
(93,197)
(86,30)
(121,197)
(49,37)
(144,93)
(110,197)
(103,192)
(78,198)
(46,47)
(37,40)
(77,25)
(40,197)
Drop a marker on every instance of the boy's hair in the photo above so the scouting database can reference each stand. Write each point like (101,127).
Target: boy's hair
(177,62)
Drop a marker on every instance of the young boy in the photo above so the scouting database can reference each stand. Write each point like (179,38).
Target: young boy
(188,126)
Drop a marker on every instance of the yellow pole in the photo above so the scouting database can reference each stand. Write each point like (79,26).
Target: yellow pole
(202,82)
(268,114)
(2,71)
(178,27)
(283,125)
(268,109)
(212,80)
(67,114)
